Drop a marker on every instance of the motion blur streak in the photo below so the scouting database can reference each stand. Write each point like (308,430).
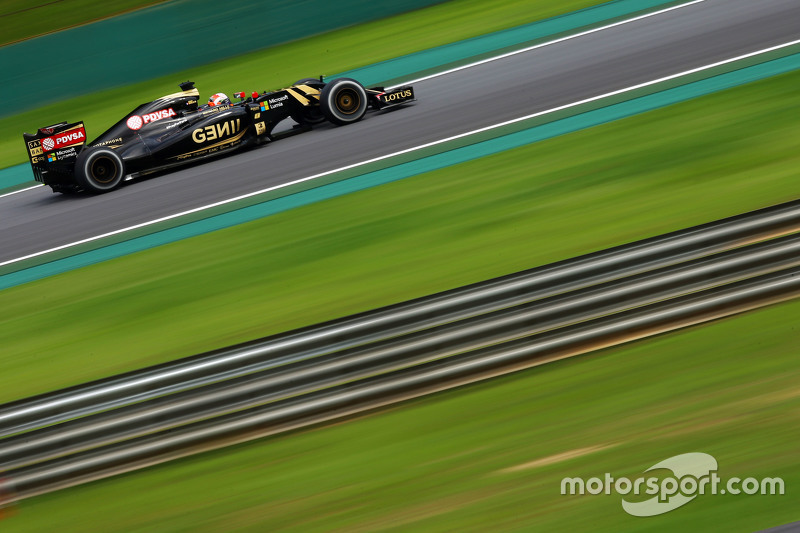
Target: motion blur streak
(527,331)
(549,43)
(541,282)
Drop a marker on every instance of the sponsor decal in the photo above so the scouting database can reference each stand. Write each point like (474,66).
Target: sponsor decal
(191,102)
(176,124)
(64,139)
(257,116)
(216,131)
(35,151)
(158,115)
(58,155)
(225,145)
(37,159)
(277,102)
(400,95)
(47,131)
(69,152)
(112,141)
(33,144)
(135,122)
(264,107)
(215,109)
(260,128)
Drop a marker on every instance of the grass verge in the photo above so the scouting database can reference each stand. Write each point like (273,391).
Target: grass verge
(492,456)
(23,19)
(683,165)
(337,51)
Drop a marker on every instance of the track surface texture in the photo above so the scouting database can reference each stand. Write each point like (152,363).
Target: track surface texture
(448,105)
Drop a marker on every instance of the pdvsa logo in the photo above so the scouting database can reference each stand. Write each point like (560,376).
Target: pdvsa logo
(135,122)
(68,138)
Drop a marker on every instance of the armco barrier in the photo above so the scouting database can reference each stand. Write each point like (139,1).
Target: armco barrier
(331,380)
(458,304)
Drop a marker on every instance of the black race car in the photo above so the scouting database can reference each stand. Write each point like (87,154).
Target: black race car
(174,130)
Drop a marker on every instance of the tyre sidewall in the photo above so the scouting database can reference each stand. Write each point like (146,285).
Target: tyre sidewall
(83,170)
(328,101)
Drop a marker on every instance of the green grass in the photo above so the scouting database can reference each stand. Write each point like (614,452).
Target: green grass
(679,166)
(280,66)
(456,461)
(23,19)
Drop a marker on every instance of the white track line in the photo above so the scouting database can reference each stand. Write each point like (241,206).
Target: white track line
(401,152)
(20,190)
(548,43)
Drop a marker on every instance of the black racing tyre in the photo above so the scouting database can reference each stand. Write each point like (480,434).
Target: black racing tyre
(311,114)
(99,170)
(343,101)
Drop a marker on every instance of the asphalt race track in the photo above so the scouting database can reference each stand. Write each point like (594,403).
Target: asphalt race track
(526,83)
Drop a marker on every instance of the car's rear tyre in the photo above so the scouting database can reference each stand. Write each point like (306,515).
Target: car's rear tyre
(99,170)
(343,101)
(311,114)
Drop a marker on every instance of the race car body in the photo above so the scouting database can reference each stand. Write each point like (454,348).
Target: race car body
(175,130)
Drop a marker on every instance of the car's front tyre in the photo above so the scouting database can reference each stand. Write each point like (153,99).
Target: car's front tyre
(343,101)
(99,170)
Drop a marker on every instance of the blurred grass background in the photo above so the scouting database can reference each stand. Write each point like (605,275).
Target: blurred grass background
(23,19)
(489,457)
(280,66)
(698,161)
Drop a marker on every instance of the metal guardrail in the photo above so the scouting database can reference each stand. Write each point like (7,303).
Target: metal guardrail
(392,354)
(396,353)
(430,311)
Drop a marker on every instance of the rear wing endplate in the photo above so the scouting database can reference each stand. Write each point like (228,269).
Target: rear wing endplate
(54,148)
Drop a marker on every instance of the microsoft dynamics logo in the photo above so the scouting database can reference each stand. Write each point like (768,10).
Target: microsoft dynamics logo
(693,474)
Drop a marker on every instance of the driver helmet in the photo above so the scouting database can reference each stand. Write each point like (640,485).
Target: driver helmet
(219,99)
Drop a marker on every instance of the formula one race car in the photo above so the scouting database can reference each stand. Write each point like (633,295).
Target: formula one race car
(174,130)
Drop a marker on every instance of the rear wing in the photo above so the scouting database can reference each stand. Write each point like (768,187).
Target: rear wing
(55,148)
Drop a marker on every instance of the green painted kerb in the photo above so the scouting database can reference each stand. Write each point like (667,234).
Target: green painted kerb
(16,175)
(412,168)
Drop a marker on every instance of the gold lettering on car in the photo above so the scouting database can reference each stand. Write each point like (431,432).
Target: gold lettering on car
(397,96)
(217,131)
